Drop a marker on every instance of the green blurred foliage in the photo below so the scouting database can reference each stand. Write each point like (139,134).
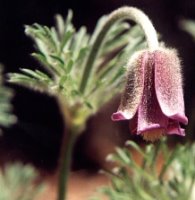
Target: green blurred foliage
(175,179)
(6,116)
(17,182)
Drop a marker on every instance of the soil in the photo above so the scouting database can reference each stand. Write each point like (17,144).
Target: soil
(82,185)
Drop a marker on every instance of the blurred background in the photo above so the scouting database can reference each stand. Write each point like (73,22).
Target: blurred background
(36,138)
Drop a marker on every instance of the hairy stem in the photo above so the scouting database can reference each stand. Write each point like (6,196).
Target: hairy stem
(65,164)
(130,13)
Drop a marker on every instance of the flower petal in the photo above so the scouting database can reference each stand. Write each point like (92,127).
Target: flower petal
(174,128)
(150,116)
(119,115)
(168,84)
(132,94)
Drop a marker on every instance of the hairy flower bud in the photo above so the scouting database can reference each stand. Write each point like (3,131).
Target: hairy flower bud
(153,95)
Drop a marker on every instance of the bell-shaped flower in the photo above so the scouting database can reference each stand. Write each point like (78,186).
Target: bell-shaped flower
(153,96)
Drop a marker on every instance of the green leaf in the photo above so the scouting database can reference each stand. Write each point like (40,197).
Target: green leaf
(69,66)
(66,38)
(17,182)
(82,53)
(6,116)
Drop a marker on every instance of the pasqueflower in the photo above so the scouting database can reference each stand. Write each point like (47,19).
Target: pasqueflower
(153,96)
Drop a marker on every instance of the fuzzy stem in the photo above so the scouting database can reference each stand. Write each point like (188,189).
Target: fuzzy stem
(130,13)
(65,164)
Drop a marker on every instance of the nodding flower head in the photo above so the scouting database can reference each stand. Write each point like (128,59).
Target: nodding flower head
(153,96)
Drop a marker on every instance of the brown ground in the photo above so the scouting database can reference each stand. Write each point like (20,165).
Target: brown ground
(81,186)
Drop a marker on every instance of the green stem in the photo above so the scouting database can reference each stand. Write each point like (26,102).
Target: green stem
(65,164)
(130,13)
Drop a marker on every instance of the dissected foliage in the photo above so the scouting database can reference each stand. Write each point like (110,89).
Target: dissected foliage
(16,183)
(6,116)
(163,174)
(63,51)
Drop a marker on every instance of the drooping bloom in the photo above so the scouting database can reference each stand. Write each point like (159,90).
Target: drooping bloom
(153,96)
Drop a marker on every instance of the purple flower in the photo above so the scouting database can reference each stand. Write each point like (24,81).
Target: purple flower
(153,95)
